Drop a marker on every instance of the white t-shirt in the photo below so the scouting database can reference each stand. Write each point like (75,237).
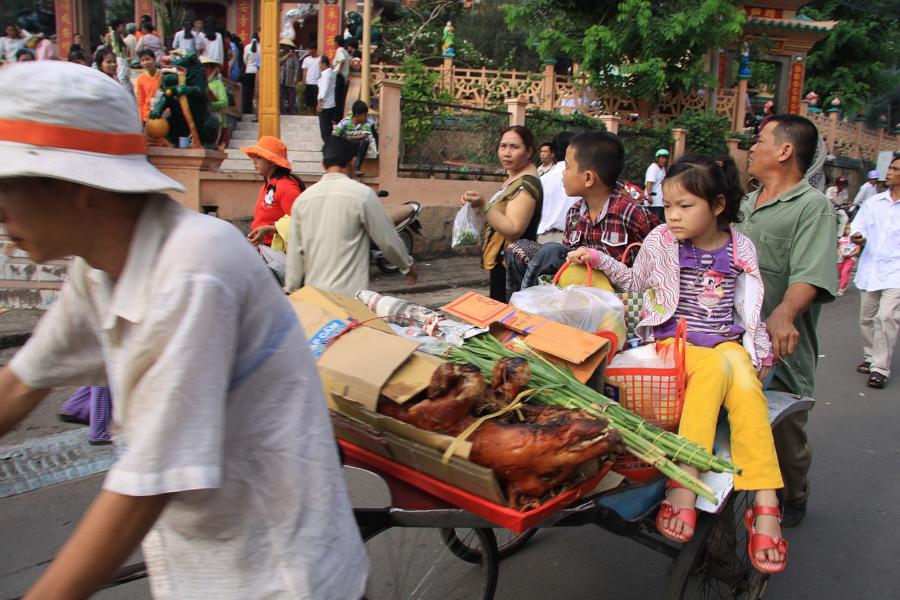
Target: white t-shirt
(313,70)
(194,44)
(342,62)
(215,49)
(327,80)
(556,203)
(250,58)
(216,400)
(655,174)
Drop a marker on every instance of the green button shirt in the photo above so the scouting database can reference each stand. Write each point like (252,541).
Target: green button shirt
(795,238)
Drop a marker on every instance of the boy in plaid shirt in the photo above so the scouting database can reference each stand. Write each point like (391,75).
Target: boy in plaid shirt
(606,218)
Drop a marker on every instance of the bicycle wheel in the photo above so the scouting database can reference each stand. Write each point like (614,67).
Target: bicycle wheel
(508,543)
(714,563)
(409,563)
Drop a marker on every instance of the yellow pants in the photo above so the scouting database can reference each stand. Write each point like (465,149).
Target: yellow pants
(725,375)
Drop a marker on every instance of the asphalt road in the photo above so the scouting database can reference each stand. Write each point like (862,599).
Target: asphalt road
(845,549)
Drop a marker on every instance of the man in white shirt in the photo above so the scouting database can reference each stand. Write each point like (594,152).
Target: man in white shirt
(342,68)
(546,156)
(556,203)
(311,72)
(653,180)
(331,226)
(325,105)
(866,190)
(877,225)
(226,464)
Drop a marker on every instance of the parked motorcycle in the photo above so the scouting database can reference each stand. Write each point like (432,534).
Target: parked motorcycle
(406,220)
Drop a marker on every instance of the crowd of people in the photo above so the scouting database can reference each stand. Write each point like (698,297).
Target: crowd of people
(238,493)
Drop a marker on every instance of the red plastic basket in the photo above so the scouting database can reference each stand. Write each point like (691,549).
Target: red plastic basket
(657,395)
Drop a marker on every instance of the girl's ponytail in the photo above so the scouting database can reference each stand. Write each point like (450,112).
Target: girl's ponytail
(733,190)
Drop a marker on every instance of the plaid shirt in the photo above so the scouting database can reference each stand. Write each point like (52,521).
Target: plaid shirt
(622,222)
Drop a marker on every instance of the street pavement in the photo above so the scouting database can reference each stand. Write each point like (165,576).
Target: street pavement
(846,547)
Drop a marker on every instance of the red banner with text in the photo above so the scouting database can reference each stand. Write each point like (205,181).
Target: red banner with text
(141,8)
(796,88)
(243,29)
(331,21)
(64,26)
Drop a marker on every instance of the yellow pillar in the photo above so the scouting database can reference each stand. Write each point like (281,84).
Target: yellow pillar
(366,51)
(267,79)
(740,109)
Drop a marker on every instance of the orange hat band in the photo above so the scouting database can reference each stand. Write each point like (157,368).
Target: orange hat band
(71,138)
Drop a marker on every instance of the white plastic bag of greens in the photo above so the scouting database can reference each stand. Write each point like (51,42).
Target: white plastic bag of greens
(588,309)
(465,227)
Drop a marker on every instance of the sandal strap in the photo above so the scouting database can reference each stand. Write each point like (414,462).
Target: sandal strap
(760,542)
(756,511)
(688,516)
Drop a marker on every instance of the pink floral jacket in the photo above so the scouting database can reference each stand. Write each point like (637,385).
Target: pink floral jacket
(656,272)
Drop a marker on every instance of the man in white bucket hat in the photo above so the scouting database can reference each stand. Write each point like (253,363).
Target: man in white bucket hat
(227,467)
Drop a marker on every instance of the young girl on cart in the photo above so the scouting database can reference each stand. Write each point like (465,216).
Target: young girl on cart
(697,267)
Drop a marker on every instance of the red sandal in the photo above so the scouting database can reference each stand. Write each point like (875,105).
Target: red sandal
(667,510)
(760,542)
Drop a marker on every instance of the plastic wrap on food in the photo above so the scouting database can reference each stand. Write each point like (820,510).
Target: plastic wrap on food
(588,309)
(432,323)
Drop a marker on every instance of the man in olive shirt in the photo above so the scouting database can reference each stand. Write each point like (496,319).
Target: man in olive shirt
(793,227)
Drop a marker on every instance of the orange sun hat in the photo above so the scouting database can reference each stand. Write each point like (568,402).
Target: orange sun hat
(271,149)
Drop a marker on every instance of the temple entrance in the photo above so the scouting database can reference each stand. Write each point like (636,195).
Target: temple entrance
(208,10)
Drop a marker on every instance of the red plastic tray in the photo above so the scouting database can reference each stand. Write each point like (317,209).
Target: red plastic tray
(501,516)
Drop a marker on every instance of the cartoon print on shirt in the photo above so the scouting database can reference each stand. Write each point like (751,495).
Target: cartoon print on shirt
(713,292)
(270,196)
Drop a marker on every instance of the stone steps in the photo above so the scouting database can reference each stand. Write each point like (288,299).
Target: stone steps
(300,133)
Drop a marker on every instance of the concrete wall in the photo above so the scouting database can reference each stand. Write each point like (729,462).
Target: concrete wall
(25,284)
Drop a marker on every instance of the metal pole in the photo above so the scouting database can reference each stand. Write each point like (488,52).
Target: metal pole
(366,51)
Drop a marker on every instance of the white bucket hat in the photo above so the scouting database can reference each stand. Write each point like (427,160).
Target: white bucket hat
(67,121)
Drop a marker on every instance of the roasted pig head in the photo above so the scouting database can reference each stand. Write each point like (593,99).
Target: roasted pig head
(509,377)
(451,393)
(532,459)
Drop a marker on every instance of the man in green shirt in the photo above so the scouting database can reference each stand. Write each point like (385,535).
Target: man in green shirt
(793,227)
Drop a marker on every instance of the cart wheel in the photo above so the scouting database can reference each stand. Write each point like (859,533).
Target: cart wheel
(508,543)
(714,563)
(416,562)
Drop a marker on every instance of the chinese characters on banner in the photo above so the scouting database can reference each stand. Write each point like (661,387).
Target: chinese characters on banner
(796,88)
(768,13)
(141,8)
(243,20)
(331,21)
(64,24)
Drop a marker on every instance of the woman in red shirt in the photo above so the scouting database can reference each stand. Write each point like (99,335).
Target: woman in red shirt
(281,188)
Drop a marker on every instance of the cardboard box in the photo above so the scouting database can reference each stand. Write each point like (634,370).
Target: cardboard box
(365,361)
(584,354)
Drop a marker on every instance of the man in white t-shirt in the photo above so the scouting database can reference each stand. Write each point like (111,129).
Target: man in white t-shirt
(226,470)
(556,203)
(311,72)
(866,190)
(325,99)
(653,180)
(341,65)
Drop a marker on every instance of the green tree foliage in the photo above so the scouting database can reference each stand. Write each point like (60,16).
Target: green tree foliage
(641,144)
(420,92)
(639,48)
(859,61)
(706,132)
(417,30)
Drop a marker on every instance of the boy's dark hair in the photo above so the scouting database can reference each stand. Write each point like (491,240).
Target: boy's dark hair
(547,145)
(147,52)
(601,152)
(76,54)
(559,144)
(325,60)
(146,26)
(709,178)
(340,41)
(525,134)
(359,107)
(338,152)
(801,134)
(23,52)
(116,22)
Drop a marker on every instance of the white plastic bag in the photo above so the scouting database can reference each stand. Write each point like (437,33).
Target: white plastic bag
(465,227)
(588,309)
